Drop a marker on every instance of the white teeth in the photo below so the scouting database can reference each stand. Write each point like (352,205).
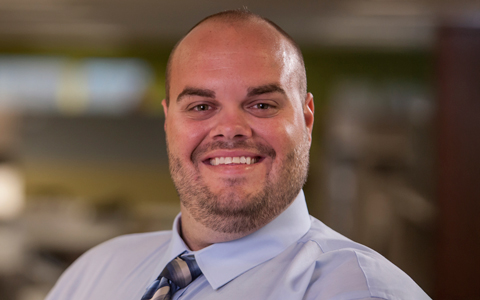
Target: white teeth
(232,160)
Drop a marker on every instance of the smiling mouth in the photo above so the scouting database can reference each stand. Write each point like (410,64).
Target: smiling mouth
(241,160)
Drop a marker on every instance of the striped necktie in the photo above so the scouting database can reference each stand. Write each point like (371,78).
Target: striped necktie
(177,274)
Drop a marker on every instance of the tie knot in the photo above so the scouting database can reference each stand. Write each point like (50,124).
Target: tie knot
(182,270)
(176,275)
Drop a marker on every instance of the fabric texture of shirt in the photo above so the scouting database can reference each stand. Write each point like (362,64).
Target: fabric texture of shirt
(295,256)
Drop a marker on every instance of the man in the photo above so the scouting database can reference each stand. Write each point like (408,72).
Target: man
(239,124)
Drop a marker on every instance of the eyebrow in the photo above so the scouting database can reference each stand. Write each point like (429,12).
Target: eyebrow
(265,89)
(254,91)
(190,91)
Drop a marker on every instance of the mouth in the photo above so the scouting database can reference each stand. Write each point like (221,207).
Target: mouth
(233,160)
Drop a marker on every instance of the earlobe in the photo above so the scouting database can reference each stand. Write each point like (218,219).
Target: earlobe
(308,112)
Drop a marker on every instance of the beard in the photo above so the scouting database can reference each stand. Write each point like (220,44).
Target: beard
(232,210)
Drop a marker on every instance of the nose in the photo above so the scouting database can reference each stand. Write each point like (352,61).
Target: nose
(231,124)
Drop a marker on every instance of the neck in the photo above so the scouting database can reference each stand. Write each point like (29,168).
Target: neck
(197,236)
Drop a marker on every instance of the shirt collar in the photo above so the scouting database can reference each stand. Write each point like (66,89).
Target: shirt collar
(222,262)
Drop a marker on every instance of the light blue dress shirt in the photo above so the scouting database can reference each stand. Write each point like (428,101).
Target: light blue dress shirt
(293,257)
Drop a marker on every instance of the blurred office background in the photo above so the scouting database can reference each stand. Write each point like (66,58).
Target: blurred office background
(395,162)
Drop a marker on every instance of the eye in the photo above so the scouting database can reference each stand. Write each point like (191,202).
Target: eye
(201,107)
(262,106)
(200,110)
(264,109)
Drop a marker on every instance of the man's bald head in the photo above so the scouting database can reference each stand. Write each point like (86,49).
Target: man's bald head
(244,17)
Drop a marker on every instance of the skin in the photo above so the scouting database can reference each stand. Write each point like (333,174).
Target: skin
(235,93)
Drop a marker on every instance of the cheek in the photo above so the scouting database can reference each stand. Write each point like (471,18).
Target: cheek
(291,131)
(281,135)
(297,128)
(183,137)
(286,135)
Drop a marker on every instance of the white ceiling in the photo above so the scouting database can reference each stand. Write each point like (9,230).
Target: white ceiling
(100,24)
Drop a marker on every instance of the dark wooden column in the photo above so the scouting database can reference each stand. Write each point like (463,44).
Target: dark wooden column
(458,92)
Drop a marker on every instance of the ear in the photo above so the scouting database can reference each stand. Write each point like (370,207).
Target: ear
(165,111)
(308,111)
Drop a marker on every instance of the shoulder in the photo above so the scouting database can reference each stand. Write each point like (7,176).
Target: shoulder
(128,242)
(353,271)
(108,261)
(137,244)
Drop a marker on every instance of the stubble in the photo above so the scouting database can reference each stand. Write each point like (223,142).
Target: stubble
(232,210)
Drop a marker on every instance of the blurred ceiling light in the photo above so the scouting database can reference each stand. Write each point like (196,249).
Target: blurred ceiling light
(72,91)
(12,198)
(58,84)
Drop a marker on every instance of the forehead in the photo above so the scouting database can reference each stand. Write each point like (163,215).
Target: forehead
(245,35)
(221,47)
